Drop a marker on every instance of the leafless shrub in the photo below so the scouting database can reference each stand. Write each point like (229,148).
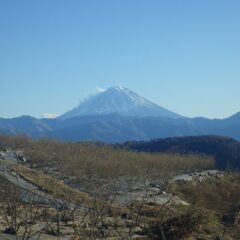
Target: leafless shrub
(20,217)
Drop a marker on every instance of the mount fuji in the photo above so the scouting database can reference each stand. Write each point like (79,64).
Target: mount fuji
(122,101)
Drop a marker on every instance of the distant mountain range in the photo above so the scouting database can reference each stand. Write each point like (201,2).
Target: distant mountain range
(118,115)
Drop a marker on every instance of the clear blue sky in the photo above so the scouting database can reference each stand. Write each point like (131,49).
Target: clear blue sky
(182,54)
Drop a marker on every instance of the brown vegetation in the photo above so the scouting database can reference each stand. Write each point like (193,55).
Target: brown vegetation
(90,160)
(219,197)
(49,184)
(214,203)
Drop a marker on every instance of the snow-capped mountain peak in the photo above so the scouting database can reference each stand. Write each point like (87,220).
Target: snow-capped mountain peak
(119,100)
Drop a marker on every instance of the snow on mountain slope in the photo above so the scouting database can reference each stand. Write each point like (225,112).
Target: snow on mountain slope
(119,100)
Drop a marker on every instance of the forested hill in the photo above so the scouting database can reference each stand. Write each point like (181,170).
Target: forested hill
(226,151)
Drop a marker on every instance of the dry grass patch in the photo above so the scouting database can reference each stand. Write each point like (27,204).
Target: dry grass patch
(50,185)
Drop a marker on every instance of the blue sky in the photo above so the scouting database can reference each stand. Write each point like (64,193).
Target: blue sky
(183,55)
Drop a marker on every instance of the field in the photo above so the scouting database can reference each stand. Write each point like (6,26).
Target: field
(96,191)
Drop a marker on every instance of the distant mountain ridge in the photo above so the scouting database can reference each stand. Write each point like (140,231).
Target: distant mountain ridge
(118,115)
(122,101)
(115,128)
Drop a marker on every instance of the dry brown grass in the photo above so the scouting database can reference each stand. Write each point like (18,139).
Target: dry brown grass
(217,193)
(86,159)
(51,185)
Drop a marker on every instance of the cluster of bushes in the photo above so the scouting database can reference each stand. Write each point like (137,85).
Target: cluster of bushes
(219,198)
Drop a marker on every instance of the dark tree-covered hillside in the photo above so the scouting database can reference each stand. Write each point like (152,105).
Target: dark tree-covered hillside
(226,151)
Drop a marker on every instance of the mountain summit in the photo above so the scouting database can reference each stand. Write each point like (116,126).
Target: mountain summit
(122,101)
